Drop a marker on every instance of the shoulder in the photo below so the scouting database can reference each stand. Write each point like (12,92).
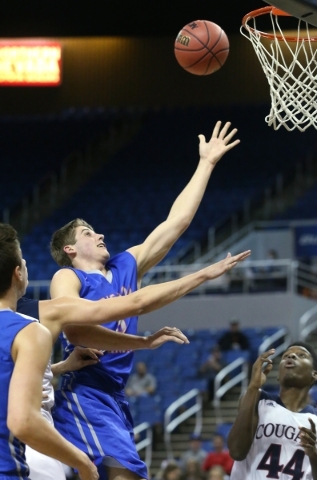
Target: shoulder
(33,334)
(65,281)
(65,273)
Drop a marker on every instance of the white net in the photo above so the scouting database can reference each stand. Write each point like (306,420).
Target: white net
(291,70)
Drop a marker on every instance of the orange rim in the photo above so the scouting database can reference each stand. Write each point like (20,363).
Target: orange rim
(272,36)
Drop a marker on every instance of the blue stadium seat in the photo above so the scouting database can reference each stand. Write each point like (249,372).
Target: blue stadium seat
(224,429)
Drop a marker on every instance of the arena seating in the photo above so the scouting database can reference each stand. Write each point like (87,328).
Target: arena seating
(33,146)
(176,369)
(304,208)
(133,193)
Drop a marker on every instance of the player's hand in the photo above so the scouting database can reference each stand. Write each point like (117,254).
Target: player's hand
(219,268)
(258,375)
(166,334)
(82,357)
(87,470)
(308,439)
(218,145)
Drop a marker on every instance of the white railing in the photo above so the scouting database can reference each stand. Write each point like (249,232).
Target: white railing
(170,425)
(284,275)
(36,286)
(146,442)
(220,390)
(268,342)
(242,377)
(308,323)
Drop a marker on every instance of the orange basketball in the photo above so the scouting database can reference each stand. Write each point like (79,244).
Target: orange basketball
(201,47)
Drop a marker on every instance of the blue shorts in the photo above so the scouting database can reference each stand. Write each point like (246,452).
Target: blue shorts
(100,425)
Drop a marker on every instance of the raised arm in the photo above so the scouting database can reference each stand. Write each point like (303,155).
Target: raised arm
(66,311)
(247,418)
(31,351)
(160,241)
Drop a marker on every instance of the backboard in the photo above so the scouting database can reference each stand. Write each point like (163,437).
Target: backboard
(303,9)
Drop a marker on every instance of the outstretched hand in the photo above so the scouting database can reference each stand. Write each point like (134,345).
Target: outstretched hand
(219,268)
(218,145)
(258,375)
(166,334)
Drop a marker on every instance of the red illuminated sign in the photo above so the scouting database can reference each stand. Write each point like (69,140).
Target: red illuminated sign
(30,63)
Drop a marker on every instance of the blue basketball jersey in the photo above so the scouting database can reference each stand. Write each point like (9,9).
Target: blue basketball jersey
(12,458)
(113,370)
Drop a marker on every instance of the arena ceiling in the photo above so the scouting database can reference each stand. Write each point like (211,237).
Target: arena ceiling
(126,17)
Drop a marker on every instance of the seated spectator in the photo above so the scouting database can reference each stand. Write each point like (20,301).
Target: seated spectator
(219,457)
(171,472)
(192,470)
(217,473)
(211,367)
(141,382)
(195,452)
(234,339)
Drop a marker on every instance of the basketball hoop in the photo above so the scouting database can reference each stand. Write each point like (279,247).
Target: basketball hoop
(290,65)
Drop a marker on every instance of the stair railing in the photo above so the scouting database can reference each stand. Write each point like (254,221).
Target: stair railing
(170,425)
(269,342)
(308,323)
(220,390)
(146,443)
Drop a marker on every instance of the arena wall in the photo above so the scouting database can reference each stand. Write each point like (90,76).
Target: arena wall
(215,311)
(118,71)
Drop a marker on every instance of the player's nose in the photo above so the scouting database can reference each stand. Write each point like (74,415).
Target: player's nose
(100,237)
(291,355)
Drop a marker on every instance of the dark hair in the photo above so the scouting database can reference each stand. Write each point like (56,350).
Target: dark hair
(65,236)
(308,347)
(169,468)
(10,256)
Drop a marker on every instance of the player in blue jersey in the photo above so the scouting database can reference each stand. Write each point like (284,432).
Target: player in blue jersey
(25,347)
(279,431)
(93,401)
(45,468)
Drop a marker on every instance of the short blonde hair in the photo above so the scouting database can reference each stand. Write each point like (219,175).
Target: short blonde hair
(65,236)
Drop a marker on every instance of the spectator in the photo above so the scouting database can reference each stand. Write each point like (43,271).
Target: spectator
(219,457)
(217,473)
(195,452)
(171,472)
(141,382)
(211,367)
(192,470)
(234,339)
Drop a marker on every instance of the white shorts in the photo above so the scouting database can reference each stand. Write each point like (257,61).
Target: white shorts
(43,467)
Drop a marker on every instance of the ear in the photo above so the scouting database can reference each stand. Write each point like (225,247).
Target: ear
(17,274)
(314,376)
(69,249)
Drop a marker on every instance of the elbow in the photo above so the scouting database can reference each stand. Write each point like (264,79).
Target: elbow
(236,452)
(20,426)
(237,455)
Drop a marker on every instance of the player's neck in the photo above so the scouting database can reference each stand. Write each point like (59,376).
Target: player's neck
(89,265)
(9,300)
(294,399)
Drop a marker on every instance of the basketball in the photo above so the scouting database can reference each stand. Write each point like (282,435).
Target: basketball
(201,47)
